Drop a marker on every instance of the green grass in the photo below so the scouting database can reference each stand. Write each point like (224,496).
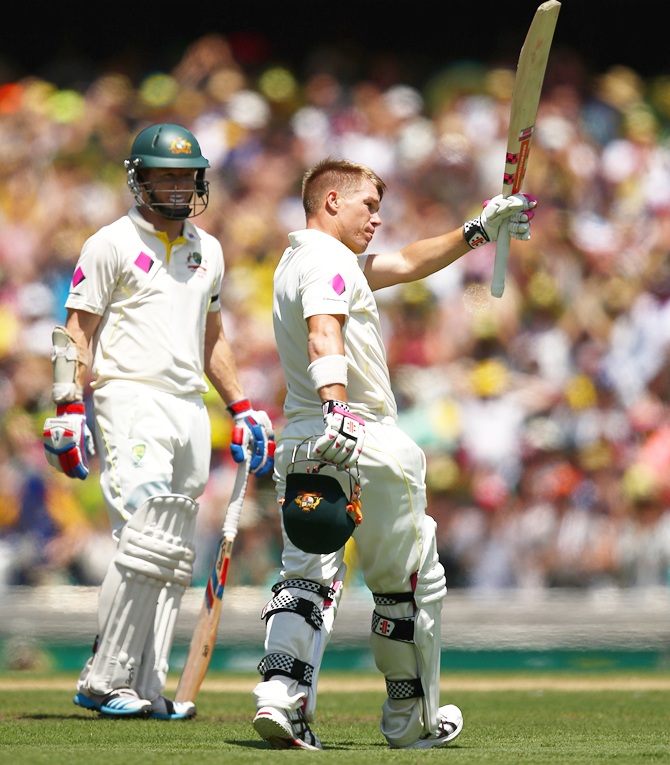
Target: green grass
(623,725)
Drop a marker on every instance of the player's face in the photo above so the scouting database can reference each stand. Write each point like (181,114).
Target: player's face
(169,187)
(358,217)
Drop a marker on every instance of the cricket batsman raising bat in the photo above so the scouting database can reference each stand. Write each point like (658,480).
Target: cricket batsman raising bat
(525,101)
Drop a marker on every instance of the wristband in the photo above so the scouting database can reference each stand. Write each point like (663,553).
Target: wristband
(474,233)
(70,407)
(239,407)
(328,370)
(331,404)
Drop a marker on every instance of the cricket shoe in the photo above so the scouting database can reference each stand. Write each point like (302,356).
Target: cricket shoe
(164,708)
(450,726)
(285,730)
(121,702)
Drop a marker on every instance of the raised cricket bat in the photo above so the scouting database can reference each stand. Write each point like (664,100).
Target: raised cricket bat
(204,636)
(525,101)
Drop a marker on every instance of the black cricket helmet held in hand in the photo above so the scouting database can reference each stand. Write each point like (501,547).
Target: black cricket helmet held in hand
(319,517)
(167,146)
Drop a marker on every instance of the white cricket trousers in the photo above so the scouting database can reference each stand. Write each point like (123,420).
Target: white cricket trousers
(149,442)
(390,541)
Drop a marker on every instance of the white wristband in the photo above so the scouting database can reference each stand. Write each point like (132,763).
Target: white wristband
(328,370)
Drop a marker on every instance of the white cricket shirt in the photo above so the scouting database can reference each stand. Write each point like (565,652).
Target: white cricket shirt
(317,274)
(153,297)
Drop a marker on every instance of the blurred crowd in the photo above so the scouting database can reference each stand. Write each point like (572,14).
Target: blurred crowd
(544,414)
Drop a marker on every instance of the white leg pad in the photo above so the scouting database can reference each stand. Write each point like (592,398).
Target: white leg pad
(406,719)
(153,671)
(289,636)
(323,638)
(140,596)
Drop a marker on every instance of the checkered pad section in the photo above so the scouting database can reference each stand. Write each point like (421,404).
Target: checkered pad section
(404,689)
(283,664)
(392,598)
(306,584)
(284,601)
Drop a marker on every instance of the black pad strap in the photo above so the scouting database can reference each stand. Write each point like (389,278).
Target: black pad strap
(404,689)
(392,598)
(401,629)
(306,584)
(283,664)
(284,601)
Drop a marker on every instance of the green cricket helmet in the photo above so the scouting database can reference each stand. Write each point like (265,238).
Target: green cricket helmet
(167,146)
(319,515)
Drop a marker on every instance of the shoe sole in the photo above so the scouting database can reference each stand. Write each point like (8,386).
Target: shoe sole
(276,735)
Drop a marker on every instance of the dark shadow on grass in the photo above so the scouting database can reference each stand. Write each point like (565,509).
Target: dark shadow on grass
(75,716)
(344,747)
(249,744)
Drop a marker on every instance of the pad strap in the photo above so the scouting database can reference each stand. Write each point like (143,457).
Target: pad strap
(392,598)
(326,592)
(395,629)
(404,689)
(284,601)
(283,664)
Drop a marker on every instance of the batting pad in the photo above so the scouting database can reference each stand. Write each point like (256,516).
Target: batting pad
(405,643)
(153,671)
(141,594)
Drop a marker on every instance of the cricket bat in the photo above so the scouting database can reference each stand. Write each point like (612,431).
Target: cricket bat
(523,113)
(204,636)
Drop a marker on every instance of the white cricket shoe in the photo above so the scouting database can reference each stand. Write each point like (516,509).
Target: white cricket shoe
(451,724)
(285,730)
(121,702)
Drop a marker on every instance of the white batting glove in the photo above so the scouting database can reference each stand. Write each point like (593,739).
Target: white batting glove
(342,441)
(516,211)
(68,441)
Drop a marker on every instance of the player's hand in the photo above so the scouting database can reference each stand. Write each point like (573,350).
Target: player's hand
(68,441)
(342,441)
(515,211)
(253,434)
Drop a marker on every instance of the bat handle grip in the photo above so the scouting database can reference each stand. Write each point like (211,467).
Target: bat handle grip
(232,518)
(500,263)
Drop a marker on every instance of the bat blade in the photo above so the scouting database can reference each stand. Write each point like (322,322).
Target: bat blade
(523,113)
(206,628)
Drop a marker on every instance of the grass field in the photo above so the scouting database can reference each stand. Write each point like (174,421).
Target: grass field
(528,718)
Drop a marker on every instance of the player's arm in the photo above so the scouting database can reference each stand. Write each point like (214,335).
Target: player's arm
(81,326)
(427,256)
(220,366)
(253,429)
(324,338)
(66,437)
(344,434)
(416,260)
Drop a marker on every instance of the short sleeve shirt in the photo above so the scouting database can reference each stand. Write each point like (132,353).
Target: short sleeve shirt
(153,297)
(317,274)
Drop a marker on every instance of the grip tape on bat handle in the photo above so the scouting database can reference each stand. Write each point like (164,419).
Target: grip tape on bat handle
(232,518)
(500,262)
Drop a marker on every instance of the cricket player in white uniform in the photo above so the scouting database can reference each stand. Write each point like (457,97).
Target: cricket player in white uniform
(339,398)
(145,295)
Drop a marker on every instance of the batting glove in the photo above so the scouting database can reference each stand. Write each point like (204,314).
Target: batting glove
(342,442)
(68,441)
(253,433)
(516,211)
